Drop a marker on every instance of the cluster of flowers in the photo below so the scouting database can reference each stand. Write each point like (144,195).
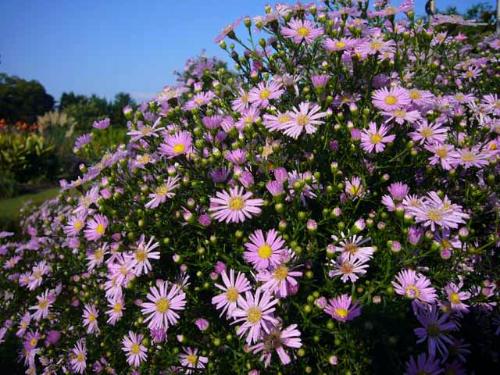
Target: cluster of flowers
(333,193)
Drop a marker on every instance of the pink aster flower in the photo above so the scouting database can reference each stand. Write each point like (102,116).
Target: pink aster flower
(444,154)
(400,116)
(145,130)
(301,30)
(334,45)
(116,306)
(101,124)
(377,45)
(352,247)
(414,286)
(133,348)
(342,309)
(456,297)
(264,92)
(200,99)
(234,206)
(37,273)
(78,357)
(277,341)
(435,329)
(354,188)
(256,313)
(143,253)
(163,191)
(264,251)
(90,315)
(163,305)
(280,280)
(177,144)
(44,302)
(436,211)
(96,227)
(306,118)
(348,269)
(472,157)
(191,361)
(421,98)
(389,100)
(75,224)
(23,324)
(242,102)
(96,257)
(232,290)
(429,133)
(373,139)
(398,191)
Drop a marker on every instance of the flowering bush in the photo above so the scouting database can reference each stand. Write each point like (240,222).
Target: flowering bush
(331,206)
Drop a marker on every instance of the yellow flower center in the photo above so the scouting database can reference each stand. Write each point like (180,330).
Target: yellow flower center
(400,113)
(192,359)
(283,119)
(435,215)
(415,94)
(162,190)
(454,298)
(232,294)
(265,251)
(468,156)
(302,120)
(376,45)
(442,152)
(376,138)
(33,342)
(264,94)
(412,291)
(281,273)
(146,131)
(99,254)
(179,148)
(43,304)
(135,348)
(236,203)
(426,132)
(91,318)
(80,357)
(341,312)
(351,248)
(100,229)
(346,267)
(140,255)
(303,31)
(162,305)
(117,308)
(469,74)
(77,225)
(144,159)
(340,44)
(390,100)
(254,314)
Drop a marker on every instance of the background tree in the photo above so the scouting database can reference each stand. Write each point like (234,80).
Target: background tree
(22,100)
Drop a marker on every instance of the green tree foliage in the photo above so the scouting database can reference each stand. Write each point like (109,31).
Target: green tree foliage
(86,109)
(22,100)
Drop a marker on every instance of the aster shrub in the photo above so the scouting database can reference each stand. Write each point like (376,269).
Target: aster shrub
(330,205)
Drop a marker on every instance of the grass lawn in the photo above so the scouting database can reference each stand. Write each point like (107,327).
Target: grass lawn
(10,208)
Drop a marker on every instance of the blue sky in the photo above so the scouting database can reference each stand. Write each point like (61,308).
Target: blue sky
(106,46)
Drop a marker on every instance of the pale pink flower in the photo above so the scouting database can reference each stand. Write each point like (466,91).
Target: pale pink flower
(133,348)
(264,251)
(163,305)
(301,30)
(191,361)
(256,313)
(235,206)
(373,139)
(232,290)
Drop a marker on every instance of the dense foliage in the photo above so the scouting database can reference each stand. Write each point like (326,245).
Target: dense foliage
(331,207)
(22,100)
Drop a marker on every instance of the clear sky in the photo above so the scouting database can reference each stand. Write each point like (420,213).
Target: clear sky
(106,46)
